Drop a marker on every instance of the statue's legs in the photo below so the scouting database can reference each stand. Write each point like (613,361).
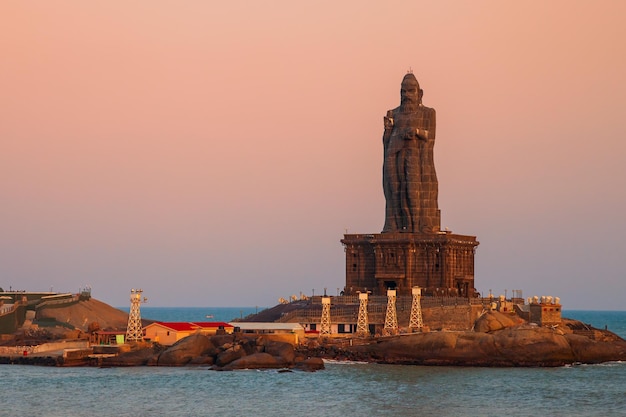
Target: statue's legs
(430,217)
(410,192)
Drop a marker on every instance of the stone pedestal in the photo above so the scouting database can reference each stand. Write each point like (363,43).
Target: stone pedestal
(440,263)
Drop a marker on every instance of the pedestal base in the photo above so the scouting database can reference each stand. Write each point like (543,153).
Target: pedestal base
(441,263)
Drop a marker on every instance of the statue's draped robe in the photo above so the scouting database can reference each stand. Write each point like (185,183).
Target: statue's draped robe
(409,177)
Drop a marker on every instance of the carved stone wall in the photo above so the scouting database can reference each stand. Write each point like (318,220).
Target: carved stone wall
(442,264)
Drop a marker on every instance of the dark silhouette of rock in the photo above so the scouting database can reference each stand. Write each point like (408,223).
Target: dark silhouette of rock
(222,339)
(310,364)
(252,346)
(202,361)
(229,355)
(259,360)
(282,350)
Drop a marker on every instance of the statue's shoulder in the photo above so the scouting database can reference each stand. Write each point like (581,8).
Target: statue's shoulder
(428,110)
(391,113)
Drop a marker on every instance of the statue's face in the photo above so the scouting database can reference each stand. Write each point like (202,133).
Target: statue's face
(409,92)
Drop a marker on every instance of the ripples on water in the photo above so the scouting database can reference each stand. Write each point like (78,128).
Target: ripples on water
(342,389)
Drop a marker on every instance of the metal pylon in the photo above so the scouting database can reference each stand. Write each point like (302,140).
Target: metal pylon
(134,332)
(391,318)
(325,323)
(362,325)
(416,322)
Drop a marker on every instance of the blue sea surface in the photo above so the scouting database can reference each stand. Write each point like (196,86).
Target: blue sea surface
(196,314)
(614,321)
(342,389)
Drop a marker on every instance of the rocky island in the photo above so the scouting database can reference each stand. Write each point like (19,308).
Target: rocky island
(497,339)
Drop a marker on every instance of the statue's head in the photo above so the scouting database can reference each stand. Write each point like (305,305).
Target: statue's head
(410,91)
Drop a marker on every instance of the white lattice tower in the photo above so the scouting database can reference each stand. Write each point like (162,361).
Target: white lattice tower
(391,318)
(325,323)
(362,325)
(134,331)
(416,321)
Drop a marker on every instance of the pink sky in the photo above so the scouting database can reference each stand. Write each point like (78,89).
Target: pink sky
(213,154)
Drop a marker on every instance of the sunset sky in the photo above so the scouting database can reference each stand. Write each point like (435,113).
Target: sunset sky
(214,153)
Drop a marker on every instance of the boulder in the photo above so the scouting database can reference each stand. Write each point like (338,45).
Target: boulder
(250,346)
(222,339)
(533,346)
(260,360)
(202,360)
(310,364)
(586,350)
(435,348)
(513,346)
(282,350)
(492,321)
(229,355)
(183,351)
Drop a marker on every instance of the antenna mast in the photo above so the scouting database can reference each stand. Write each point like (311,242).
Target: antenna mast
(325,322)
(362,325)
(416,321)
(391,317)
(134,332)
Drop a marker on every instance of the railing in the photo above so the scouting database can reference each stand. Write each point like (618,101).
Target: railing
(345,308)
(68,300)
(16,350)
(400,300)
(8,310)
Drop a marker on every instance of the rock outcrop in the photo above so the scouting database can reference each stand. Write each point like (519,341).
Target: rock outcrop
(138,356)
(501,341)
(494,320)
(222,353)
(186,350)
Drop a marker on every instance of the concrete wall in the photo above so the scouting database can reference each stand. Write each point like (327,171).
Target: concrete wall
(13,319)
(45,347)
(545,314)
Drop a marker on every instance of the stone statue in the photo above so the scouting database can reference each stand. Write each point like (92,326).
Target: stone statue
(409,178)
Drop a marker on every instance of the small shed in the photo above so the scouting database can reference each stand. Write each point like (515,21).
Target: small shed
(290,332)
(102,337)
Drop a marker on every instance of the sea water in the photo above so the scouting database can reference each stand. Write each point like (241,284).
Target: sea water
(342,389)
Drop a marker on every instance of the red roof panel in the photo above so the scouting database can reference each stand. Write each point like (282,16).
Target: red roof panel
(212,324)
(179,326)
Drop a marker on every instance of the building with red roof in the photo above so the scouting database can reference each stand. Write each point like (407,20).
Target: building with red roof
(168,333)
